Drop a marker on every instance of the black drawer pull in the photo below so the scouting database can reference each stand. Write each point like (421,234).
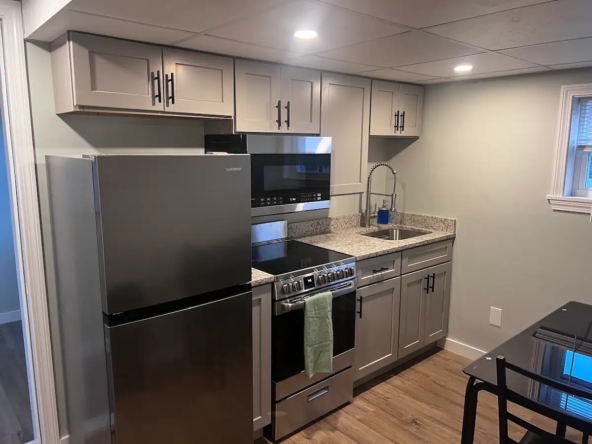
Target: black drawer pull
(380,270)
(396,121)
(158,94)
(403,121)
(433,282)
(170,90)
(361,301)
(427,288)
(279,115)
(288,119)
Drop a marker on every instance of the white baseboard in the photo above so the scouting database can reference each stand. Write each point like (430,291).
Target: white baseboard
(65,439)
(461,349)
(10,316)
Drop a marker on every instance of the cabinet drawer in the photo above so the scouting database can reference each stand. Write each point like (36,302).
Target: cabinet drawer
(314,402)
(426,256)
(378,269)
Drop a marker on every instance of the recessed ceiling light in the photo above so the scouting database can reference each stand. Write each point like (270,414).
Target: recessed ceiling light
(306,34)
(463,68)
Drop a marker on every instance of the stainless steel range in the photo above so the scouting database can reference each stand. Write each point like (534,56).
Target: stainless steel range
(302,270)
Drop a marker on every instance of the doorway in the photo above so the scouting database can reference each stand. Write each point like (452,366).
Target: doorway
(16,424)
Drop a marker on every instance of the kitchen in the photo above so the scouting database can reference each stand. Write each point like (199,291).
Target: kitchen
(480,165)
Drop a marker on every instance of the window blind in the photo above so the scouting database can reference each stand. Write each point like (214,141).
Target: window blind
(585,124)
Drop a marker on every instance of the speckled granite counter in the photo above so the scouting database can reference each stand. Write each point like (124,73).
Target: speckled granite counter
(260,277)
(350,241)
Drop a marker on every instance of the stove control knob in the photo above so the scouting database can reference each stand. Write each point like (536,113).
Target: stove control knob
(339,274)
(296,286)
(350,272)
(331,276)
(286,289)
(324,279)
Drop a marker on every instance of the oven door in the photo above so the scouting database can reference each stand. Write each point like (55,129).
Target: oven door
(289,182)
(288,339)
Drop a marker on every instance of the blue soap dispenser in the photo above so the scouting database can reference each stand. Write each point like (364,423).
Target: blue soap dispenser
(383,214)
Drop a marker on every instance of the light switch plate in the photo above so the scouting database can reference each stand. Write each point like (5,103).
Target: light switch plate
(495,316)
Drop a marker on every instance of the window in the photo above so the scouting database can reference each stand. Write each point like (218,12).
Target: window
(572,181)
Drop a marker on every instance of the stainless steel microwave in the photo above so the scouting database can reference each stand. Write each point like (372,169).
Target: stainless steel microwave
(288,173)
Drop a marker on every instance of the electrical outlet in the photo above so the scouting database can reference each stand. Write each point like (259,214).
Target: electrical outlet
(495,316)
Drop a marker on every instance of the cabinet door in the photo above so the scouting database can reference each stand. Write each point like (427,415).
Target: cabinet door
(258,99)
(112,73)
(261,356)
(385,103)
(198,83)
(301,98)
(411,332)
(377,326)
(345,116)
(411,109)
(437,303)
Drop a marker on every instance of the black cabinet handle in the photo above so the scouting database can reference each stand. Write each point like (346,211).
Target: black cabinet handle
(397,121)
(361,301)
(158,94)
(433,282)
(403,121)
(380,270)
(170,90)
(279,119)
(427,288)
(288,119)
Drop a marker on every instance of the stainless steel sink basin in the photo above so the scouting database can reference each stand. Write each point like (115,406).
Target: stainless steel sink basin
(395,234)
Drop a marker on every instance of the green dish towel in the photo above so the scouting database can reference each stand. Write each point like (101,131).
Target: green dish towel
(318,334)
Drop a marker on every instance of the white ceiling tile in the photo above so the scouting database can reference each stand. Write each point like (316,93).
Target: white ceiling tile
(336,27)
(187,15)
(482,63)
(544,23)
(238,49)
(393,74)
(96,24)
(568,51)
(512,72)
(572,65)
(423,13)
(324,64)
(403,49)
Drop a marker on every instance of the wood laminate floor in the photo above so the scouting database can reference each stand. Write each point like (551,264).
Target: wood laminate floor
(16,426)
(422,402)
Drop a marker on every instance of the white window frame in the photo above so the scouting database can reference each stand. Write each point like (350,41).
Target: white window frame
(566,194)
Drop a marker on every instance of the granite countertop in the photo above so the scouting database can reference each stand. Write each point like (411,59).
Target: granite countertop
(260,277)
(350,241)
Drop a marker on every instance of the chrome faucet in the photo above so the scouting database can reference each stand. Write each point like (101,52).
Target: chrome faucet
(369,193)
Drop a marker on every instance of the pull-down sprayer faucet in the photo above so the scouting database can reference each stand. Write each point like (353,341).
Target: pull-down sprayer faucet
(369,193)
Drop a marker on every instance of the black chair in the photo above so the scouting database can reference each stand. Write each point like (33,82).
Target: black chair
(534,434)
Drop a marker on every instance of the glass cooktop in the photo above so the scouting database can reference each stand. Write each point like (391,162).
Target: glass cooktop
(290,256)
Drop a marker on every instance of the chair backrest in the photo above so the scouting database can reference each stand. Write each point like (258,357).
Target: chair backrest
(505,395)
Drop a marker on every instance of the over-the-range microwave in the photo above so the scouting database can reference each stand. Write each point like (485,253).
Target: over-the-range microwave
(288,173)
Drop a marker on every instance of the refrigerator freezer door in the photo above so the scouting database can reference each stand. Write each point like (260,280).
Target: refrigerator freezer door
(185,377)
(171,227)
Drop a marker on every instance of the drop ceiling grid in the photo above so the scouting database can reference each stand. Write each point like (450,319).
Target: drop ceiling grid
(364,37)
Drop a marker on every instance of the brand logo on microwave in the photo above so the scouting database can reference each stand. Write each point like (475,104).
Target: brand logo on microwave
(234,169)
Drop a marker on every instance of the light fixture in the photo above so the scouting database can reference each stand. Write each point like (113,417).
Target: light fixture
(306,34)
(463,68)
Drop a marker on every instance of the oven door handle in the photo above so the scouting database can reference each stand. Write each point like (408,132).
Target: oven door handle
(298,304)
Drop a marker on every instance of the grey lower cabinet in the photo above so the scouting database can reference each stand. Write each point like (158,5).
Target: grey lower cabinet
(377,326)
(261,356)
(425,301)
(92,73)
(277,99)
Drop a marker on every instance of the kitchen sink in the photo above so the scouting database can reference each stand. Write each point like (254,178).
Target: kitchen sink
(396,234)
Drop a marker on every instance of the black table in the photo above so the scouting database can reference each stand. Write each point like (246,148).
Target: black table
(559,346)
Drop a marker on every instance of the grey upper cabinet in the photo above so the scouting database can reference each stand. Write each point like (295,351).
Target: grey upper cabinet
(301,99)
(277,99)
(397,109)
(377,326)
(261,356)
(110,73)
(412,319)
(437,303)
(197,83)
(345,116)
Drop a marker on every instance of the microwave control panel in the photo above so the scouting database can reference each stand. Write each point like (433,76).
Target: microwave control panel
(286,200)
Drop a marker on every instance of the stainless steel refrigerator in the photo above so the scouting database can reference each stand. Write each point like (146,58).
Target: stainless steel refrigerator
(153,264)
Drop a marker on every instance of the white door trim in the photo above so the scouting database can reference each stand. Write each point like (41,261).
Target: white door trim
(29,249)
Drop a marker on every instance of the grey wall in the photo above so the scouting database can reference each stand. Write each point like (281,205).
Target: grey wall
(9,294)
(76,135)
(486,157)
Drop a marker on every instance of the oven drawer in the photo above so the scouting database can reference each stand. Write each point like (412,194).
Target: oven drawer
(312,403)
(378,269)
(426,256)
